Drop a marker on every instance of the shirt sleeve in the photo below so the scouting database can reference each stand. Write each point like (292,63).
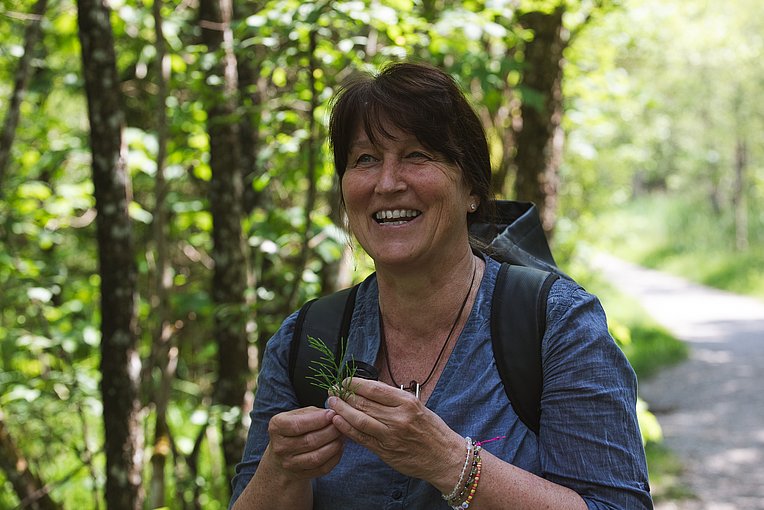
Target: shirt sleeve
(589,439)
(274,395)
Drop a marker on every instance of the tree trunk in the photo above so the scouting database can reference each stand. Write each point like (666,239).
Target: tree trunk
(231,275)
(310,157)
(503,123)
(740,204)
(27,486)
(164,354)
(120,364)
(740,186)
(252,89)
(11,121)
(539,140)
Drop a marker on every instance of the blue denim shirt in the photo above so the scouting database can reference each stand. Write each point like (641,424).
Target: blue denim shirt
(589,439)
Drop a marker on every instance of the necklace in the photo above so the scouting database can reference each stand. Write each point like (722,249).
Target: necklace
(414,386)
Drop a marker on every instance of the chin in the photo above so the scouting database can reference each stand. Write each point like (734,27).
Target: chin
(392,259)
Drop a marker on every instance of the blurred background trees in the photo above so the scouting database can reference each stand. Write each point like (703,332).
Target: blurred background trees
(225,213)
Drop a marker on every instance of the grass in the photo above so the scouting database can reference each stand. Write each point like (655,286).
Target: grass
(665,474)
(685,237)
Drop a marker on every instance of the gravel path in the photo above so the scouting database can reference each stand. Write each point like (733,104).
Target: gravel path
(711,407)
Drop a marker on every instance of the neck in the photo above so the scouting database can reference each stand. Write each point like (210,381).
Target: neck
(415,299)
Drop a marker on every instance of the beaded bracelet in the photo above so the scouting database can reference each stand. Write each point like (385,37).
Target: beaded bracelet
(459,500)
(473,488)
(468,473)
(470,445)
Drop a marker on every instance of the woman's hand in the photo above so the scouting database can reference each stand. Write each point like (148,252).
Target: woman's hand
(304,443)
(404,433)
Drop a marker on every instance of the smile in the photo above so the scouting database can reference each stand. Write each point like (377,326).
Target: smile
(396,216)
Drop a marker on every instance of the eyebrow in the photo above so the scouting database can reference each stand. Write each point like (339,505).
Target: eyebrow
(366,142)
(361,143)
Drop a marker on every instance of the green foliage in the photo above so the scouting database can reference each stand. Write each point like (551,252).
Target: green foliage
(648,424)
(327,373)
(687,237)
(48,262)
(638,123)
(648,346)
(659,94)
(629,133)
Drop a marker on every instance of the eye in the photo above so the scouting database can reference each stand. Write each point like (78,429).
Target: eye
(365,159)
(418,155)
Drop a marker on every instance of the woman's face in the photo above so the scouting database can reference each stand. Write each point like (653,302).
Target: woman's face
(405,203)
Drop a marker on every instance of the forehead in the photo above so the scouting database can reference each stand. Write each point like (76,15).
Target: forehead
(385,135)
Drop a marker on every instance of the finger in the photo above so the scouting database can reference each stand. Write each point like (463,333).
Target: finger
(399,408)
(316,462)
(351,418)
(349,431)
(300,421)
(327,466)
(376,391)
(409,419)
(287,446)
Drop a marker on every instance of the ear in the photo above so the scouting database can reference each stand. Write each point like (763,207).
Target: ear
(473,203)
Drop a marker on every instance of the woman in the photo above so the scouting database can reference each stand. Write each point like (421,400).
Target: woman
(414,169)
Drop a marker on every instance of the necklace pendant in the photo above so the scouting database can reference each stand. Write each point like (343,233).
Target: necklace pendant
(413,387)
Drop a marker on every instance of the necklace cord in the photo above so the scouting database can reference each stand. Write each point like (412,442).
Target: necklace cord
(413,384)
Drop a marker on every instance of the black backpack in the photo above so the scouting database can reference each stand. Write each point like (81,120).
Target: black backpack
(527,272)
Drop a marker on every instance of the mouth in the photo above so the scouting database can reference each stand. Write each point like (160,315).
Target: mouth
(395,216)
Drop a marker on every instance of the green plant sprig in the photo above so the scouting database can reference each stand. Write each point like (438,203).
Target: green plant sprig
(328,374)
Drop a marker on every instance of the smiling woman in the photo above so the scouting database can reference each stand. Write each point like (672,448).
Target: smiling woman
(414,170)
(398,177)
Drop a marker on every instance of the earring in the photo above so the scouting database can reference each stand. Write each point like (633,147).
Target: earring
(473,207)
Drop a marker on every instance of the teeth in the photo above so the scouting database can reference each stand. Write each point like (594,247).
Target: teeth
(396,214)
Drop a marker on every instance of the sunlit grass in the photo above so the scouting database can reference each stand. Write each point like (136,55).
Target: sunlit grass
(684,236)
(678,234)
(665,474)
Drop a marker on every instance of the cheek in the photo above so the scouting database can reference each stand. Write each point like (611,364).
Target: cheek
(353,201)
(353,190)
(346,190)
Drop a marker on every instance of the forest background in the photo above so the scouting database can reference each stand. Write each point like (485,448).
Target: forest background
(166,197)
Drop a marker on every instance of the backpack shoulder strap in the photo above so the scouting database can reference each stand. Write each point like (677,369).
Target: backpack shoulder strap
(327,318)
(518,323)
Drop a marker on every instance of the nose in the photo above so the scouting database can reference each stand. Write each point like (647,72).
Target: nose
(390,178)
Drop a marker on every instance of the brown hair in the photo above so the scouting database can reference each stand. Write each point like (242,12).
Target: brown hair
(422,100)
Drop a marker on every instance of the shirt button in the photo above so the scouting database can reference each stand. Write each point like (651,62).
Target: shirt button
(397,494)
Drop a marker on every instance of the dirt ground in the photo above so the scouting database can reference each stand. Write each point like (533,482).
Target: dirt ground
(711,407)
